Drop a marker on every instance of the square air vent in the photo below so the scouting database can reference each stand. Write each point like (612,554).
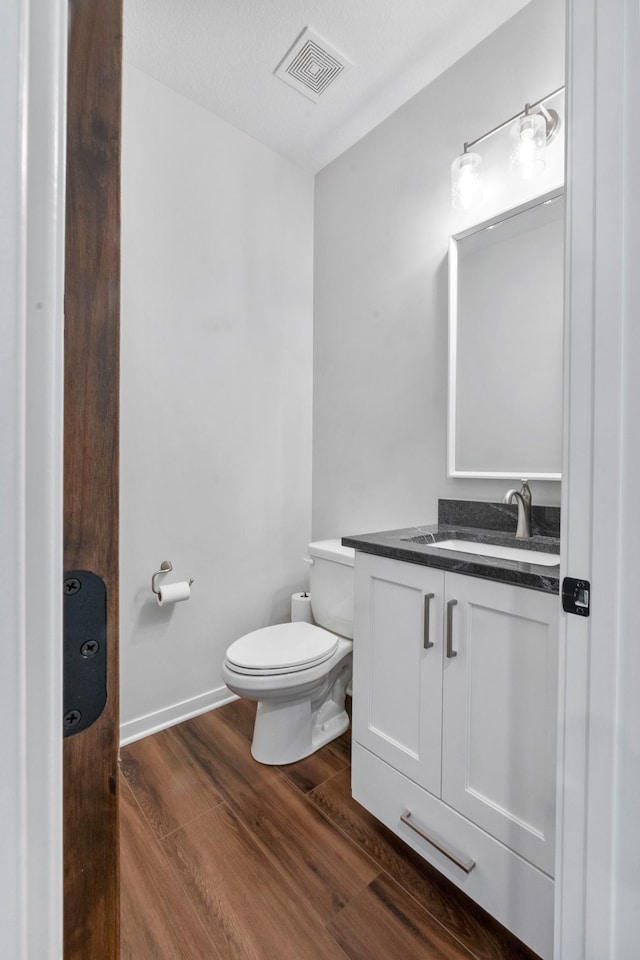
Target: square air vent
(311,65)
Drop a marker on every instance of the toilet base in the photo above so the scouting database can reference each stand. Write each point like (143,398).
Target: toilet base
(298,712)
(286,732)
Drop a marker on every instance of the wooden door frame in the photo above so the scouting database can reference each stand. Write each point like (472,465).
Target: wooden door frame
(31,478)
(91,782)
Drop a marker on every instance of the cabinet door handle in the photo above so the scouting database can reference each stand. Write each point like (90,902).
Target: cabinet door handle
(426,643)
(450,651)
(460,859)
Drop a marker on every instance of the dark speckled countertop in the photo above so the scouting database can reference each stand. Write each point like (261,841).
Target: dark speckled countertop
(480,522)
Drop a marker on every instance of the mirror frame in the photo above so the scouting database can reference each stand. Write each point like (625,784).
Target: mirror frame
(453,344)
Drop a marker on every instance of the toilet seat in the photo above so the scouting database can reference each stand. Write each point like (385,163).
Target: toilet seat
(284,648)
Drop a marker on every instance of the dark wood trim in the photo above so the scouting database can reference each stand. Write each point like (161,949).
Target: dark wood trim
(92,303)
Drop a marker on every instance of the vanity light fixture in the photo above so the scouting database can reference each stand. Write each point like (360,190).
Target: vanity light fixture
(532,129)
(466,181)
(528,145)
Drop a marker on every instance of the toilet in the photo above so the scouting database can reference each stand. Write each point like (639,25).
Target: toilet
(299,672)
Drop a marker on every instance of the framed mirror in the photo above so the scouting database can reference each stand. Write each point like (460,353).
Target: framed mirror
(505,344)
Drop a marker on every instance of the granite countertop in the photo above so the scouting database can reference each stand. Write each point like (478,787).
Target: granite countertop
(415,544)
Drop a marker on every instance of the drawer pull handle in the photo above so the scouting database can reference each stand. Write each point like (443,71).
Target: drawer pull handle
(427,644)
(465,863)
(450,651)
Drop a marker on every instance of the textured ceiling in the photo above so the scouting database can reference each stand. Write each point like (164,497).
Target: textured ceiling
(222,54)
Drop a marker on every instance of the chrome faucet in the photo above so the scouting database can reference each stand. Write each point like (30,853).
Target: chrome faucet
(523,499)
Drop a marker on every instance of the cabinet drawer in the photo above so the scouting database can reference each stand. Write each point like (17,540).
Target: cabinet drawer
(513,891)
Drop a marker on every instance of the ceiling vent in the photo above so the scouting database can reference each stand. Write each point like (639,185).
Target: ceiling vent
(311,65)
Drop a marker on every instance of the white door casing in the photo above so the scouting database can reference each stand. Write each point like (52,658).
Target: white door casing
(33,37)
(597,900)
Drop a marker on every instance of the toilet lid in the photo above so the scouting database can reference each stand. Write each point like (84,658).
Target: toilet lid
(282,649)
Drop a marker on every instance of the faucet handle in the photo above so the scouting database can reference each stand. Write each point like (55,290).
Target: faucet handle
(525,490)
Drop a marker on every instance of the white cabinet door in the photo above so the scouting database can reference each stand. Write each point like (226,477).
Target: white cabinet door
(499,713)
(397,665)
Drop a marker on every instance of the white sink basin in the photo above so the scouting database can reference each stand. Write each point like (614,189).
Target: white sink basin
(503,553)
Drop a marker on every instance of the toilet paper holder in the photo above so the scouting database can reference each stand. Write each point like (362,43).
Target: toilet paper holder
(165,567)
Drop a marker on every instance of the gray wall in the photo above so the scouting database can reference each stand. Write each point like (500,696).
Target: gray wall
(383,217)
(217,263)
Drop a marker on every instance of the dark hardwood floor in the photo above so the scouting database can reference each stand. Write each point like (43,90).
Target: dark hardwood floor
(223,858)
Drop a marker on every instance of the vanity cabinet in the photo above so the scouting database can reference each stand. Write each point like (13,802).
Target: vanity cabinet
(454,720)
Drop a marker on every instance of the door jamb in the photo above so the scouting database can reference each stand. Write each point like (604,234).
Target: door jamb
(598,491)
(33,213)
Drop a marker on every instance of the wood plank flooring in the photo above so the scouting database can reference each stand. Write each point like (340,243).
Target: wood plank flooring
(223,858)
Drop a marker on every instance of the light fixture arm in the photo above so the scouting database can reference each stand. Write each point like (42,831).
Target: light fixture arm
(528,108)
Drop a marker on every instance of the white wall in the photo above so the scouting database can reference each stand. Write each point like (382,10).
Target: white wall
(383,216)
(216,394)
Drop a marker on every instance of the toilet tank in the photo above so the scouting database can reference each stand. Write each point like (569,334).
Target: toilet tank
(331,585)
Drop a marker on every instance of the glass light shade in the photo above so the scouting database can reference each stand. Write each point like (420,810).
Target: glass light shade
(528,146)
(466,181)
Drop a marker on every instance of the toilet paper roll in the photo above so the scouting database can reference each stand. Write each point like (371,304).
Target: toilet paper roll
(173,593)
(301,608)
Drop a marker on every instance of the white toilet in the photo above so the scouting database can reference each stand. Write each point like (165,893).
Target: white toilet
(299,672)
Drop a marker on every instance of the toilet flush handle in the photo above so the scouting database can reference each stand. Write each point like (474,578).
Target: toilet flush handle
(309,560)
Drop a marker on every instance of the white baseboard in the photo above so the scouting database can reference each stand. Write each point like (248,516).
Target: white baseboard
(169,716)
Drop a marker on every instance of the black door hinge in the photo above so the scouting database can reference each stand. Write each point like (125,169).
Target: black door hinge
(85,650)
